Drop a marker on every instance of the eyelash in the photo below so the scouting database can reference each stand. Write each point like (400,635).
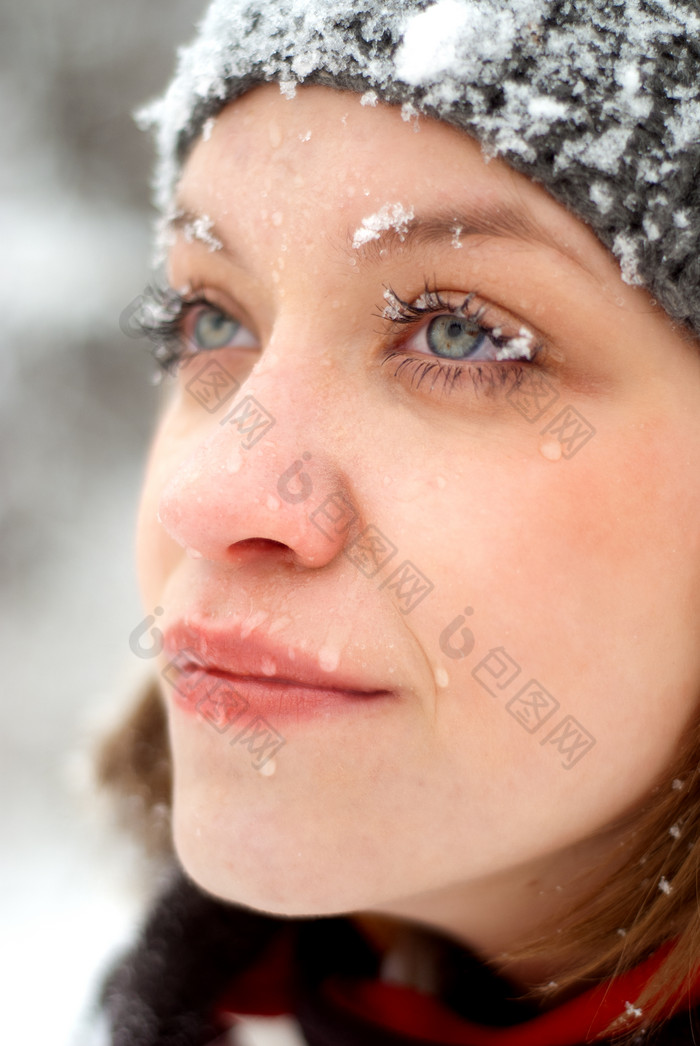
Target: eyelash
(161,318)
(164,311)
(497,373)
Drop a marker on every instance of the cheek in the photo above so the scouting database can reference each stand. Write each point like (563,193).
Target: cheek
(157,554)
(584,573)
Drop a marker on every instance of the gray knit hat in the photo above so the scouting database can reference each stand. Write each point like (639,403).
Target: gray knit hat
(599,100)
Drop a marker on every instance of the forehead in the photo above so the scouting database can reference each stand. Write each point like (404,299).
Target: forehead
(324,162)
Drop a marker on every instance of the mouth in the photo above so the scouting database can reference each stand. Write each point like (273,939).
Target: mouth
(225,677)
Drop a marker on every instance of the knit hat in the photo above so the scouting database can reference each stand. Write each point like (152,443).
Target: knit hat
(598,100)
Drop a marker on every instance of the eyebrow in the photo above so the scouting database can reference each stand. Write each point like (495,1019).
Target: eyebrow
(494,221)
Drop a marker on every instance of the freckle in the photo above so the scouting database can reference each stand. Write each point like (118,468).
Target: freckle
(272,502)
(268,768)
(441,678)
(551,450)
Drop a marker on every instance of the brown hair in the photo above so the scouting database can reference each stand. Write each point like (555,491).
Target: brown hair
(649,900)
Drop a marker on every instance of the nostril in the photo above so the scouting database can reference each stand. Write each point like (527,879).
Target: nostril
(256,545)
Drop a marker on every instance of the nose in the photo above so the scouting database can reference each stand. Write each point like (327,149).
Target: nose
(229,500)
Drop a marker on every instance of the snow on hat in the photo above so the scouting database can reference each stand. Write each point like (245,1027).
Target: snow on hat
(599,100)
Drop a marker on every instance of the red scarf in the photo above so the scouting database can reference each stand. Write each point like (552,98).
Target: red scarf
(267,989)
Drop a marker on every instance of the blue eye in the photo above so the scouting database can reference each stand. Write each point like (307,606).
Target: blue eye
(454,337)
(213,329)
(450,336)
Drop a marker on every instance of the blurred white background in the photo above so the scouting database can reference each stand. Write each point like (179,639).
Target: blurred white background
(77,408)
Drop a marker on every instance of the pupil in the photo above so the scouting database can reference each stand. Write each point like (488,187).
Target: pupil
(452,336)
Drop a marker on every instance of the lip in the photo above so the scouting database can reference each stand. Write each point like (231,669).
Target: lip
(220,674)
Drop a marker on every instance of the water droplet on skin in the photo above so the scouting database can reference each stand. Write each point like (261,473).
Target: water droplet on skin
(551,450)
(193,553)
(328,659)
(441,678)
(272,502)
(268,667)
(280,622)
(235,460)
(268,768)
(253,621)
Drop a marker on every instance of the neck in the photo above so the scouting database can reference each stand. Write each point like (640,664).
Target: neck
(495,915)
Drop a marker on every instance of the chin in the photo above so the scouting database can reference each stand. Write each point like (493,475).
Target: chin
(270,873)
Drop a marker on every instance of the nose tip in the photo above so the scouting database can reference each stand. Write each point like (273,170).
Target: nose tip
(267,506)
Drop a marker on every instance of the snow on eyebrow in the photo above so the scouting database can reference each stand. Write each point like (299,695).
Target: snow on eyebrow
(199,228)
(390,216)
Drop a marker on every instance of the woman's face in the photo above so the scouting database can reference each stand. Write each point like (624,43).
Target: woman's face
(434,459)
